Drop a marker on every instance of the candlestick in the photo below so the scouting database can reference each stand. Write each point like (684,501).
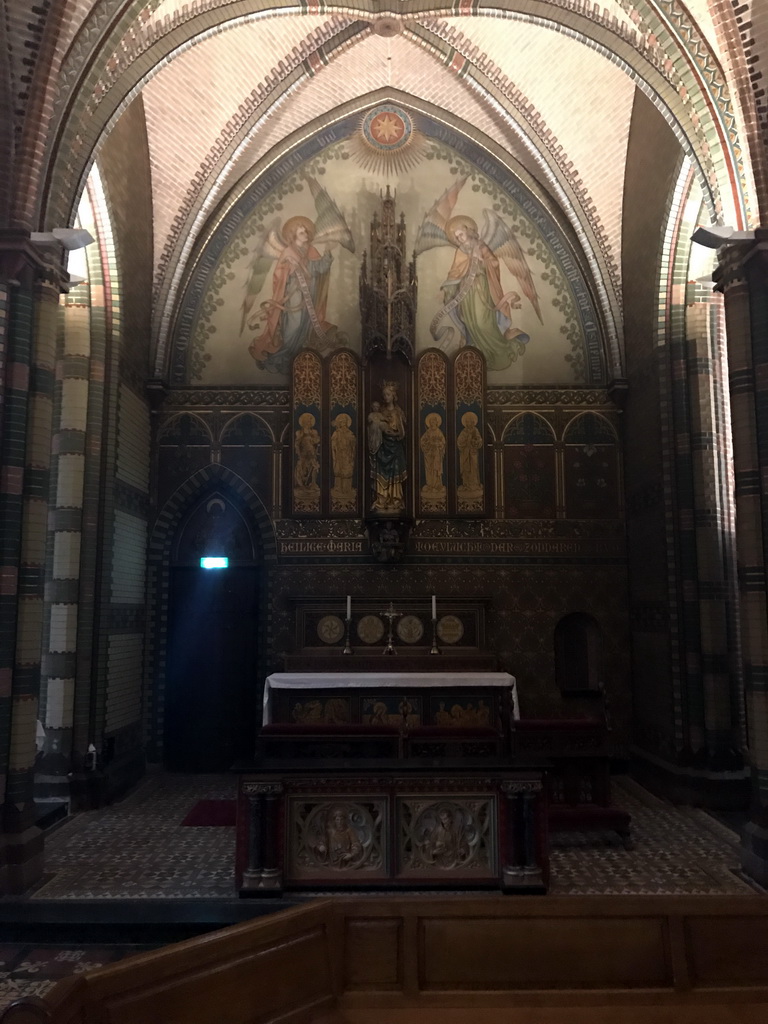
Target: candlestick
(347,637)
(434,648)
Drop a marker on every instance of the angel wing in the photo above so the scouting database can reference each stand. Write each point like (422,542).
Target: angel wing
(268,248)
(499,237)
(330,225)
(432,230)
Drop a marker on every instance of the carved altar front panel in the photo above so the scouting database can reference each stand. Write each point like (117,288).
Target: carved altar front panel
(447,836)
(329,840)
(393,827)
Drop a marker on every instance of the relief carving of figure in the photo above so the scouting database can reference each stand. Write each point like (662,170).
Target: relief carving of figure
(432,444)
(307,465)
(340,846)
(343,450)
(386,446)
(470,444)
(446,843)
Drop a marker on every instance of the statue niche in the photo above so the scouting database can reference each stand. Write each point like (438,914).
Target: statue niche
(387,451)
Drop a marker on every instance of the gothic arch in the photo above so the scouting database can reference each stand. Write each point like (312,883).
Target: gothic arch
(524,415)
(582,418)
(178,420)
(245,416)
(211,478)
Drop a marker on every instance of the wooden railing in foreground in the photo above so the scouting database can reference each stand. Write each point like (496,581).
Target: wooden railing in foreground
(348,954)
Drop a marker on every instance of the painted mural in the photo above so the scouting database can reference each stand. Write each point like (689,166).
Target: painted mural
(281,274)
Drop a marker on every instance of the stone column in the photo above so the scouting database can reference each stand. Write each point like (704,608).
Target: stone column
(522,869)
(52,780)
(743,278)
(709,711)
(263,869)
(32,283)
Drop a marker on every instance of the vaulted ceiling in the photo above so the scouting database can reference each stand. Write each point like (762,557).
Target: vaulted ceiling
(225,86)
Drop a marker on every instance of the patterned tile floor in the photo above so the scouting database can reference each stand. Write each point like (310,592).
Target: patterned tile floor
(138,849)
(33,970)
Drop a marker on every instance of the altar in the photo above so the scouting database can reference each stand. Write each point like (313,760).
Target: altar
(379,779)
(439,698)
(411,823)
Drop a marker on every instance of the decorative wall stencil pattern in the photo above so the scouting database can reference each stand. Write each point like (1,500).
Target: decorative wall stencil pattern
(591,468)
(530,481)
(281,271)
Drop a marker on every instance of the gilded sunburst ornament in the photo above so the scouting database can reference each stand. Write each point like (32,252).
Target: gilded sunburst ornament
(388,140)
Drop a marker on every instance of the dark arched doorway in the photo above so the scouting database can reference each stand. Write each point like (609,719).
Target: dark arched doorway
(210,705)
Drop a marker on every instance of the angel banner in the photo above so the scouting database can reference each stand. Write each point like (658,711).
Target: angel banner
(477,310)
(295,315)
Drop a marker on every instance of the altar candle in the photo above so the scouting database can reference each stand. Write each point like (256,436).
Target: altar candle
(434,607)
(349,606)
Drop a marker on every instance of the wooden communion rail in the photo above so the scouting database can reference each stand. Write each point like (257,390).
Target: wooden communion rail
(444,960)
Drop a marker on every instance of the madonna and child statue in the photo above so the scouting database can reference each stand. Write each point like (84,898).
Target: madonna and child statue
(386,448)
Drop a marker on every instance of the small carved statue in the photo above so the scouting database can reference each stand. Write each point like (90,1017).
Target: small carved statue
(470,443)
(305,446)
(386,446)
(343,449)
(432,444)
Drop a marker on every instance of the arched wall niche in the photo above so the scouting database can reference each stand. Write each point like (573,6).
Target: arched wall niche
(578,654)
(229,331)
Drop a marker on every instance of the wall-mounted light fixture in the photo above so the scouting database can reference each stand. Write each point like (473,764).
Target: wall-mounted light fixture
(70,238)
(715,235)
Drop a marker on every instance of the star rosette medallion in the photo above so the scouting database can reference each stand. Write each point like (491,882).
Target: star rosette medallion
(388,139)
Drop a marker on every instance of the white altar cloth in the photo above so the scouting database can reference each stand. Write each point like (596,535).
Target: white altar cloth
(386,680)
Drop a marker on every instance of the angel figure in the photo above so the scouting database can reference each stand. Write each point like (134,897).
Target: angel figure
(294,316)
(475,302)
